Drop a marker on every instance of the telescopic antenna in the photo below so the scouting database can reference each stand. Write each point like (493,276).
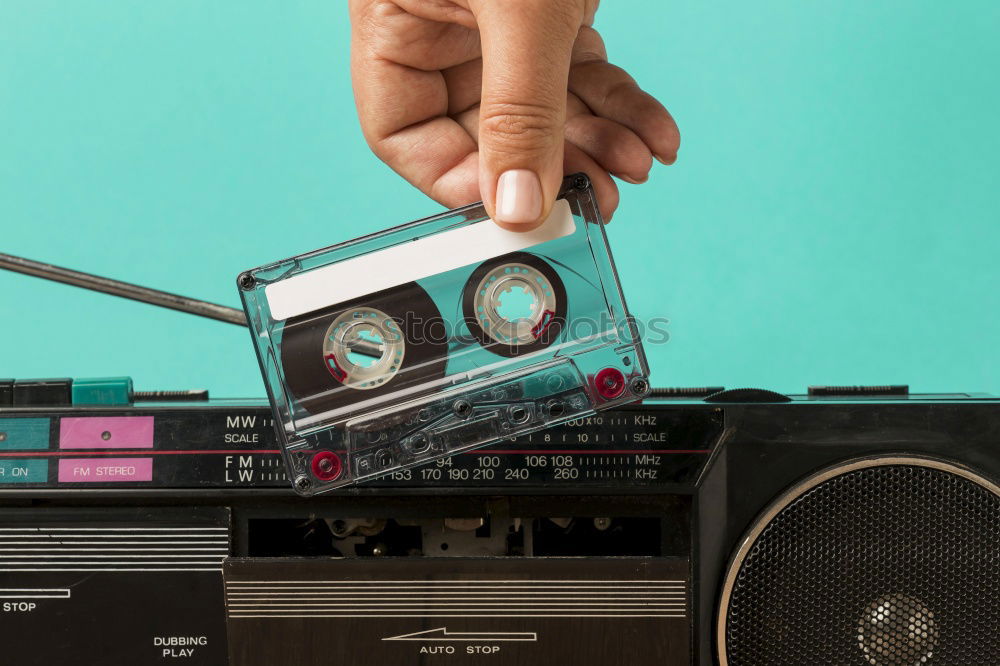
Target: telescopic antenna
(123,289)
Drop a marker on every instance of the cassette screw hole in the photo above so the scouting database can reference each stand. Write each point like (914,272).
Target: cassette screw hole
(462,408)
(106,435)
(418,443)
(639,386)
(444,546)
(303,483)
(383,459)
(602,524)
(626,361)
(424,414)
(581,182)
(247,281)
(3,437)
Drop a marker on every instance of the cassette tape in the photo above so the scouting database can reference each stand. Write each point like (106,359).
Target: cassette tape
(440,336)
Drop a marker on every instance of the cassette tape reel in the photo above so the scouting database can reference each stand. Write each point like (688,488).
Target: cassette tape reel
(334,357)
(440,336)
(515,304)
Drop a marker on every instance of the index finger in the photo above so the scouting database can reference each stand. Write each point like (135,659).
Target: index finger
(403,109)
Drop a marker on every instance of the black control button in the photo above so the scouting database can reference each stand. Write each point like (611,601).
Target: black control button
(42,392)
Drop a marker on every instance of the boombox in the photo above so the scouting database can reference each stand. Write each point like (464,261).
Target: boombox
(841,528)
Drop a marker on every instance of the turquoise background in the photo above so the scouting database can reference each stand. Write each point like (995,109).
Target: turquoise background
(833,216)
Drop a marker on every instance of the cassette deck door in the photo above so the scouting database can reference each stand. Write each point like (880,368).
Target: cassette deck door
(97,585)
(581,611)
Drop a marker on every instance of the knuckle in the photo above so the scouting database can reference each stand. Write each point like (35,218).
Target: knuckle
(540,5)
(625,90)
(589,47)
(550,12)
(380,148)
(369,11)
(518,126)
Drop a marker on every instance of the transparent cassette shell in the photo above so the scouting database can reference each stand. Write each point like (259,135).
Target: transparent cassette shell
(440,336)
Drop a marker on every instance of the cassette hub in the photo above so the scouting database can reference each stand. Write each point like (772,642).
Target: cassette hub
(493,307)
(363,348)
(515,305)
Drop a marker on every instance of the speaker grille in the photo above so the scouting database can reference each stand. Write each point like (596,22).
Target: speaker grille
(891,562)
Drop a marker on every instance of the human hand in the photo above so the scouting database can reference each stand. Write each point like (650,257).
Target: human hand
(497,99)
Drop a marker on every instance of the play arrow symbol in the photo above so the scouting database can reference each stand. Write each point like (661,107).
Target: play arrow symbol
(442,634)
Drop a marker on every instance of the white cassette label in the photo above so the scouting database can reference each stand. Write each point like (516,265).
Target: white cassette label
(407,262)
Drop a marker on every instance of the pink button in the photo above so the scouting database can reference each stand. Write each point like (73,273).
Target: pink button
(105,470)
(106,432)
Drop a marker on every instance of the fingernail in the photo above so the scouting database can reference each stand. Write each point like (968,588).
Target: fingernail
(666,160)
(519,197)
(630,180)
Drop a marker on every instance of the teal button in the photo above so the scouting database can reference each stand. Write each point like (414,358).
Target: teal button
(27,470)
(23,434)
(102,391)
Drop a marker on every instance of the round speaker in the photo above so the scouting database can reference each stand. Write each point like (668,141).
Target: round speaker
(890,561)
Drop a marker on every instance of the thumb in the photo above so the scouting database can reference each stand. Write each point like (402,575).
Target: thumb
(526,46)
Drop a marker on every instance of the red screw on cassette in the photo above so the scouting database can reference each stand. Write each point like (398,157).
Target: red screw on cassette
(326,466)
(609,383)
